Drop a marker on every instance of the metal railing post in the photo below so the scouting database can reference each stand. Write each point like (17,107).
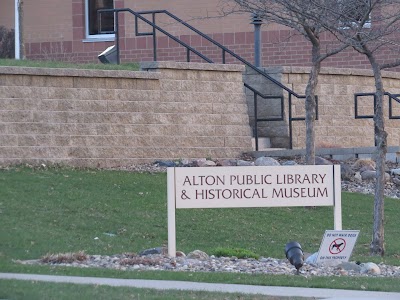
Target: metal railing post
(255,121)
(257,22)
(375,135)
(355,107)
(290,122)
(117,36)
(154,38)
(188,55)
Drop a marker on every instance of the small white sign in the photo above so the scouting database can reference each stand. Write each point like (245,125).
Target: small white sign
(337,245)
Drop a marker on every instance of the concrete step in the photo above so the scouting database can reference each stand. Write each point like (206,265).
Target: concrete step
(263,143)
(392,155)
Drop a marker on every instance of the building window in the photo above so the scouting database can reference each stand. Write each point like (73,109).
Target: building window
(99,26)
(355,12)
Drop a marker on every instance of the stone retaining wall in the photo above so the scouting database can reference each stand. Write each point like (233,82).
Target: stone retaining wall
(171,110)
(96,118)
(336,126)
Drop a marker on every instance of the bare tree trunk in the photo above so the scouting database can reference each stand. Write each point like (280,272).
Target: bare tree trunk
(377,246)
(311,104)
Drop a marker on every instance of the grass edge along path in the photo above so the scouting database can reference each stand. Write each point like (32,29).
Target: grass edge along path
(58,64)
(18,289)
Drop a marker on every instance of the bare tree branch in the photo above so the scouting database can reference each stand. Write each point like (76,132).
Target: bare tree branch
(370,27)
(295,14)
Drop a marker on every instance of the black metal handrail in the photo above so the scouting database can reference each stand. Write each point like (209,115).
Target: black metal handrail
(358,116)
(396,98)
(391,96)
(256,93)
(138,15)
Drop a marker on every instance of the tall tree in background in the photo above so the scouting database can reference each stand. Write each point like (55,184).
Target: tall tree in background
(372,28)
(293,14)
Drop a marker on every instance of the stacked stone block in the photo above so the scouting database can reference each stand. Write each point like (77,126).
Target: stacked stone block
(276,131)
(95,118)
(336,126)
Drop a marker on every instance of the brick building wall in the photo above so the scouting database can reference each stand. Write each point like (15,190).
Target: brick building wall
(7,13)
(56,30)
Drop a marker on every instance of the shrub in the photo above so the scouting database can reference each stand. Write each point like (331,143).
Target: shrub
(64,257)
(141,261)
(7,44)
(238,252)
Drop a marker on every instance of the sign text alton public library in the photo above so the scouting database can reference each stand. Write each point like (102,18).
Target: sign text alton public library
(254,186)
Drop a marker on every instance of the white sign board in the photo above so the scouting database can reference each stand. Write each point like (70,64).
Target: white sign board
(269,186)
(337,245)
(254,186)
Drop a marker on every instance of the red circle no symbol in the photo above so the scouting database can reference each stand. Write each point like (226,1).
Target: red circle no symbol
(337,246)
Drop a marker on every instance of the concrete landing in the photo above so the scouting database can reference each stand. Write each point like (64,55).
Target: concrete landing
(392,155)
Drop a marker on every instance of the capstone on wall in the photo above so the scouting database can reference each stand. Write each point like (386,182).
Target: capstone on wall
(95,118)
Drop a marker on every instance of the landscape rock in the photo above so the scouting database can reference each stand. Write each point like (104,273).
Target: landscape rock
(289,163)
(180,254)
(199,162)
(312,259)
(266,161)
(244,163)
(228,162)
(186,163)
(165,163)
(322,161)
(330,263)
(205,163)
(396,181)
(364,164)
(212,264)
(370,175)
(366,168)
(370,268)
(357,176)
(395,171)
(347,173)
(157,250)
(209,163)
(349,266)
(197,254)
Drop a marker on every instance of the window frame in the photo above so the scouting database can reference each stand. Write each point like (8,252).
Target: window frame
(345,26)
(349,26)
(99,37)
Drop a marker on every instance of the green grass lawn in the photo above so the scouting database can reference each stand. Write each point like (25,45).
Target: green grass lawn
(63,210)
(18,290)
(58,64)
